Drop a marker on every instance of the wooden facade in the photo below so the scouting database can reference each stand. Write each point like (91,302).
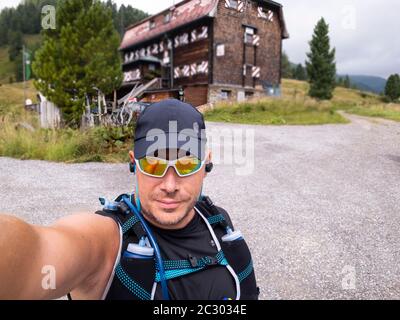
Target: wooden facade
(213,49)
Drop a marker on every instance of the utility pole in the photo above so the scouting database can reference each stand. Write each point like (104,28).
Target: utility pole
(23,72)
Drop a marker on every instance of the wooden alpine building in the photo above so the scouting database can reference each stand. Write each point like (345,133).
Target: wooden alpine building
(212,49)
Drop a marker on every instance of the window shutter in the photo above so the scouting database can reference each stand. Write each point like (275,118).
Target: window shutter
(203,67)
(256,72)
(194,35)
(267,15)
(177,72)
(176,41)
(186,71)
(204,33)
(241,5)
(256,40)
(193,69)
(155,49)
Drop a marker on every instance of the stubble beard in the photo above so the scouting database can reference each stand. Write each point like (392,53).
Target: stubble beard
(165,219)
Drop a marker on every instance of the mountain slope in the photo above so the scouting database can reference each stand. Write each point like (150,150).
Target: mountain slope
(369,83)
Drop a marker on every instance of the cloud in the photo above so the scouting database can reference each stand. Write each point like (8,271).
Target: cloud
(362,31)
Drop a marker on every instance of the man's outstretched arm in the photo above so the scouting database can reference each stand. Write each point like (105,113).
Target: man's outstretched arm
(79,250)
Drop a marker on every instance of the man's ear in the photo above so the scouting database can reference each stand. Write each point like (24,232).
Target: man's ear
(209,164)
(132,164)
(132,156)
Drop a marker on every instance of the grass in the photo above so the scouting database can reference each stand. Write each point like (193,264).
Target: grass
(390,112)
(296,108)
(67,145)
(13,94)
(112,144)
(275,112)
(7,67)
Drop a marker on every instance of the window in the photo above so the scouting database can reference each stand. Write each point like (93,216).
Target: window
(249,35)
(226,94)
(166,59)
(220,50)
(263,13)
(247,70)
(249,94)
(167,17)
(232,4)
(238,5)
(152,24)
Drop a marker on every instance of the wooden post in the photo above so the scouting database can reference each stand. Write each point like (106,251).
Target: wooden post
(99,105)
(255,64)
(244,60)
(24,73)
(172,64)
(115,101)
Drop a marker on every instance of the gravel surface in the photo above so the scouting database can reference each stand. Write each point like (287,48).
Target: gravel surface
(320,211)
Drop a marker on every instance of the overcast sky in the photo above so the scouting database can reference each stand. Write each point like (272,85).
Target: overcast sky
(364,32)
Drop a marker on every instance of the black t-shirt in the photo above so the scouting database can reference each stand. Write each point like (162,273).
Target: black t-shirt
(212,283)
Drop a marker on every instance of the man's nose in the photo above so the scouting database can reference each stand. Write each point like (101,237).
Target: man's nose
(170,181)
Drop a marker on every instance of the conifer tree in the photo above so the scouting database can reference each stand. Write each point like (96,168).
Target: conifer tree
(300,72)
(392,89)
(81,54)
(347,82)
(321,65)
(287,71)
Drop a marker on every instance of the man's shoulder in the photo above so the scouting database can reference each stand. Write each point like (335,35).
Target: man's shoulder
(226,215)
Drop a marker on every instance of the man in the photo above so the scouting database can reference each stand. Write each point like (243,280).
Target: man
(165,241)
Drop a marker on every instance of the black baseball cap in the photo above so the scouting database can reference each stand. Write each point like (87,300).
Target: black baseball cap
(170,124)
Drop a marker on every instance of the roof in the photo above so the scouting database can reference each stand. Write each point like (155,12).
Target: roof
(184,12)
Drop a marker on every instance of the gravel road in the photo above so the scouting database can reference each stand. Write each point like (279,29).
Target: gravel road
(320,211)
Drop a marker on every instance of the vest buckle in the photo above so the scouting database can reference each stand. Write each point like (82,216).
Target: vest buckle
(193,261)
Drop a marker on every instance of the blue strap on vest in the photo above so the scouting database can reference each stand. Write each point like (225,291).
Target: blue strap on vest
(215,219)
(184,267)
(131,285)
(178,268)
(129,224)
(246,272)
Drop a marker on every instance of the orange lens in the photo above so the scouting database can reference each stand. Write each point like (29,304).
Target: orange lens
(157,167)
(187,165)
(153,166)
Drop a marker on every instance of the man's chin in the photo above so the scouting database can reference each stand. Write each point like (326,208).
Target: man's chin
(169,217)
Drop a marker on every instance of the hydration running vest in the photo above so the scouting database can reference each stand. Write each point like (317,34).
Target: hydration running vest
(136,275)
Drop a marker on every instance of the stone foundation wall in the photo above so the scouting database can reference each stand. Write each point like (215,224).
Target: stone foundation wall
(218,93)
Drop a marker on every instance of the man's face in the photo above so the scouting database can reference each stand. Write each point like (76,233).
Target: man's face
(168,201)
